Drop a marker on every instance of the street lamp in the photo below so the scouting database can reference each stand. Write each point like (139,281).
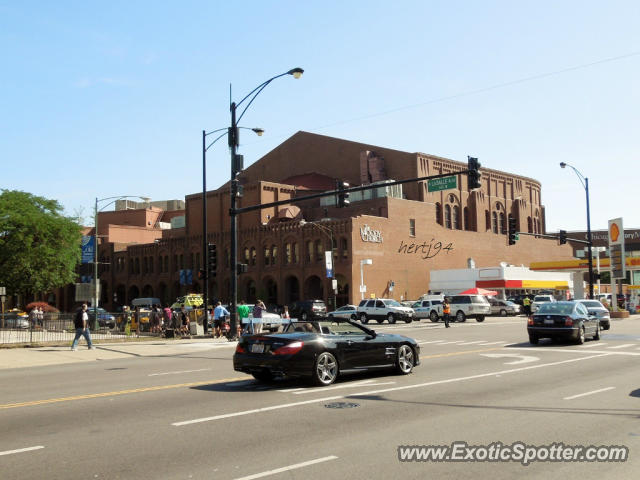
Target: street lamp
(366,261)
(95,247)
(585,183)
(236,167)
(205,147)
(327,231)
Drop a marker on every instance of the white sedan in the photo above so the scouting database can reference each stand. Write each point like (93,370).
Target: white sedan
(348,311)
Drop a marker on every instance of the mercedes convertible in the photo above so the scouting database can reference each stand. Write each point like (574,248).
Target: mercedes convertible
(322,350)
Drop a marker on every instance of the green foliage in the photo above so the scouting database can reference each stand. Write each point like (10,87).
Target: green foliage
(39,247)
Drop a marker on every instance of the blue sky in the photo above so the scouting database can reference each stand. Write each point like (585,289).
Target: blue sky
(110,98)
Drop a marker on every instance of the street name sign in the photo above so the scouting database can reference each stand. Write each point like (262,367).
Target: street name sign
(442,183)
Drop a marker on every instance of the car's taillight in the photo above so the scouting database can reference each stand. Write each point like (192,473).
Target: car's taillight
(289,349)
(240,349)
(568,321)
(530,321)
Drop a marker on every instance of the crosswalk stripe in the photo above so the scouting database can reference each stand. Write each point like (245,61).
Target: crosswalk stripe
(471,343)
(623,346)
(591,345)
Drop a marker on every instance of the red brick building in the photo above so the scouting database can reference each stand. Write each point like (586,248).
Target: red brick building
(405,230)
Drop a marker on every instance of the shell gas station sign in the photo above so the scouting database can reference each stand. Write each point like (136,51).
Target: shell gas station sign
(616,248)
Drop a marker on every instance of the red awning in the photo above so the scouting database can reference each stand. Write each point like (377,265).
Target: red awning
(479,291)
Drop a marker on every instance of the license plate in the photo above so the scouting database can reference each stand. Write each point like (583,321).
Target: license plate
(257,348)
(548,322)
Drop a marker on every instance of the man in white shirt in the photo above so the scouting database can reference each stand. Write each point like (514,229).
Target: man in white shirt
(81,322)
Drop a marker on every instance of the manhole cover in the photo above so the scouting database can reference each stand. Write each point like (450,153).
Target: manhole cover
(342,405)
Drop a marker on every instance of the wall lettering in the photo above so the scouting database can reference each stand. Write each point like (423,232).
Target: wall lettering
(424,249)
(369,235)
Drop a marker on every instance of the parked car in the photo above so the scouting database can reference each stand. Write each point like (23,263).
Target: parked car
(347,311)
(469,306)
(105,319)
(380,309)
(322,350)
(539,300)
(308,309)
(568,320)
(431,309)
(270,320)
(594,307)
(503,307)
(16,319)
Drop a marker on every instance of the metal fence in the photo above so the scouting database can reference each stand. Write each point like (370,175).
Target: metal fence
(58,328)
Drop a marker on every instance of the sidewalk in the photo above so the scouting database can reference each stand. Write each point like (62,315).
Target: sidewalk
(22,357)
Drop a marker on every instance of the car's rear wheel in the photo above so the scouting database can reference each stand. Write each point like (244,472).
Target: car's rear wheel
(480,318)
(503,312)
(408,320)
(364,318)
(263,376)
(607,326)
(405,360)
(391,319)
(433,316)
(325,370)
(596,336)
(460,316)
(353,317)
(581,336)
(533,340)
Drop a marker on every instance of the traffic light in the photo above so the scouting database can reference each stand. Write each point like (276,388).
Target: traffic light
(473,176)
(212,260)
(563,237)
(343,197)
(513,231)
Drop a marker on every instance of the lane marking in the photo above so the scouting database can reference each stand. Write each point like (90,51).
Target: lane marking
(493,343)
(21,450)
(588,393)
(522,358)
(623,346)
(120,392)
(449,342)
(471,343)
(286,469)
(384,390)
(430,341)
(591,345)
(176,373)
(578,350)
(353,385)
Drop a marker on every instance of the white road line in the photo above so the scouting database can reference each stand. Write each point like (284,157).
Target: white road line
(21,450)
(578,350)
(175,373)
(290,467)
(492,343)
(289,390)
(447,343)
(471,343)
(384,390)
(588,393)
(623,346)
(431,341)
(314,390)
(591,345)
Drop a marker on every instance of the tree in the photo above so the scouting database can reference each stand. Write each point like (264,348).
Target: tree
(39,247)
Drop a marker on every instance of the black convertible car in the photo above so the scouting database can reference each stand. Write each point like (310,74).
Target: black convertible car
(322,350)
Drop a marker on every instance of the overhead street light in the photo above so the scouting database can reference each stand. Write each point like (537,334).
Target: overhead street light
(585,183)
(236,168)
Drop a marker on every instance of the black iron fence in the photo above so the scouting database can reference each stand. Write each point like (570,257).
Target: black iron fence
(59,327)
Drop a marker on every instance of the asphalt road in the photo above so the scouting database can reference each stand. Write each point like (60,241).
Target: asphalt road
(185,413)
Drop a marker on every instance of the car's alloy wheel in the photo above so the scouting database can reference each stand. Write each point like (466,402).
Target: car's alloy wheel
(391,319)
(353,317)
(460,316)
(596,336)
(503,313)
(433,316)
(480,318)
(363,318)
(325,371)
(405,360)
(581,336)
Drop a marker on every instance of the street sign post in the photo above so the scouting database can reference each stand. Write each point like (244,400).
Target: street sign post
(616,248)
(443,183)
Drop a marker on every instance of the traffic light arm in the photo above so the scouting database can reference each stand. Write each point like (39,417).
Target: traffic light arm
(554,236)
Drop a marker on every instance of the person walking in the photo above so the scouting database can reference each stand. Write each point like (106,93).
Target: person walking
(526,303)
(446,311)
(81,322)
(219,314)
(243,311)
(258,308)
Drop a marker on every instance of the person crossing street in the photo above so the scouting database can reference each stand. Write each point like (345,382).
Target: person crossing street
(446,311)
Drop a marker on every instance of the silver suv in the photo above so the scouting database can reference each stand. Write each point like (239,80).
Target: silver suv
(469,306)
(380,309)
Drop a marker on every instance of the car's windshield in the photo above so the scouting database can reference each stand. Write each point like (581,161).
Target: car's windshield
(556,308)
(592,304)
(543,298)
(393,303)
(326,326)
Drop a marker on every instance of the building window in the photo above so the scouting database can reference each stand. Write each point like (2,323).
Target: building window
(412,227)
(296,253)
(529,225)
(456,217)
(494,222)
(487,220)
(344,247)
(253,256)
(267,255)
(319,254)
(309,251)
(274,255)
(503,226)
(246,255)
(465,214)
(447,216)
(439,213)
(288,254)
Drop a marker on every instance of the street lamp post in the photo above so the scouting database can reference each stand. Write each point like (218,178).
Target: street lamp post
(585,183)
(366,261)
(95,246)
(236,168)
(205,250)
(327,231)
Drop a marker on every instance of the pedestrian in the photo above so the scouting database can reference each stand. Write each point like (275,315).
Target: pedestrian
(446,311)
(185,329)
(526,303)
(33,317)
(243,311)
(166,315)
(258,308)
(285,313)
(219,314)
(81,322)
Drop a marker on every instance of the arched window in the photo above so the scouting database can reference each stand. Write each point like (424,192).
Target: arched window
(344,247)
(246,255)
(494,222)
(529,225)
(487,220)
(539,226)
(309,251)
(319,254)
(456,217)
(503,226)
(467,223)
(288,254)
(252,254)
(439,213)
(274,255)
(267,255)
(447,216)
(137,265)
(296,253)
